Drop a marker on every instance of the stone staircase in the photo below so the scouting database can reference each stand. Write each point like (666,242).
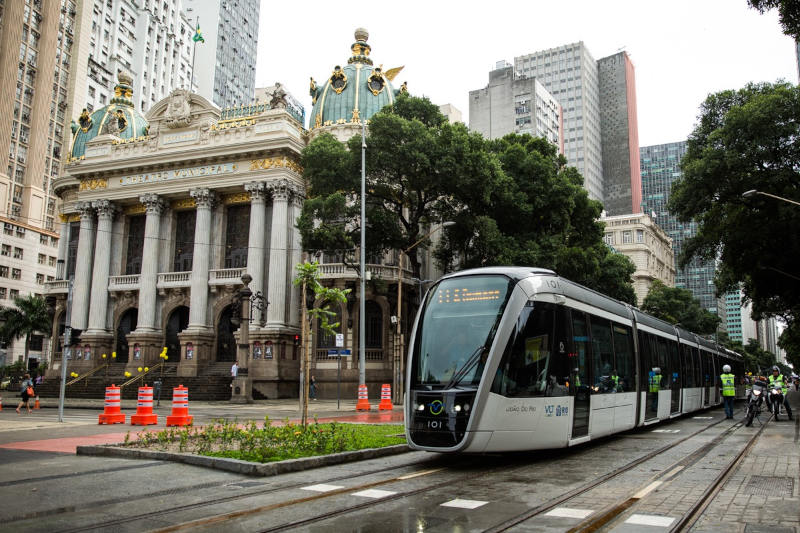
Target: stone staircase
(212,385)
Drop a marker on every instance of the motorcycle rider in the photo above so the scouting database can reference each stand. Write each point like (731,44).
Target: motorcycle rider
(728,389)
(776,380)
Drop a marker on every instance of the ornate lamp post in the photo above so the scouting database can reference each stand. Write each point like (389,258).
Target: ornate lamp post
(242,385)
(399,355)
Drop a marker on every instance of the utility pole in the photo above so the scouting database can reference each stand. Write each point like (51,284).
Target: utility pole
(65,353)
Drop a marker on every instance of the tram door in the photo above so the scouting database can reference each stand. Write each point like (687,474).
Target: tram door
(579,375)
(677,373)
(716,383)
(707,376)
(650,381)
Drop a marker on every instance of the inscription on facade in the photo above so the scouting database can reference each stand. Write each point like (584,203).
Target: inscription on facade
(192,172)
(186,136)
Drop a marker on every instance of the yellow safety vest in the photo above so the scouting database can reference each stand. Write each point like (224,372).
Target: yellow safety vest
(728,386)
(773,379)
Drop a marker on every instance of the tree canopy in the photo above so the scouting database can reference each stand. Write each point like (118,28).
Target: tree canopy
(28,316)
(679,306)
(514,200)
(746,140)
(788,14)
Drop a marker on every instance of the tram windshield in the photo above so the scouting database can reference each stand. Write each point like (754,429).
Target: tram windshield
(456,330)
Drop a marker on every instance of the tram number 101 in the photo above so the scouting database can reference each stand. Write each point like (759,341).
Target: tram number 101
(435,424)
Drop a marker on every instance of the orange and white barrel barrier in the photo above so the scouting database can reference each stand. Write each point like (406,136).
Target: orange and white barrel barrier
(363,400)
(144,408)
(111,412)
(180,407)
(386,398)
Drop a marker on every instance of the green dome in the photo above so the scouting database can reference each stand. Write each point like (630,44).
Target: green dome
(117,118)
(353,92)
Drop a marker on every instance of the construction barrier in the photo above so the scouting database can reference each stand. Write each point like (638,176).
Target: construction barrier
(386,398)
(363,400)
(36,403)
(111,411)
(144,408)
(180,407)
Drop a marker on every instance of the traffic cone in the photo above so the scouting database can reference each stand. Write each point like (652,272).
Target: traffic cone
(180,407)
(1,404)
(36,403)
(386,398)
(363,401)
(144,408)
(111,413)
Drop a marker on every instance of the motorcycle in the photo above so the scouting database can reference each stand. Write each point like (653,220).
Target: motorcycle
(775,401)
(755,399)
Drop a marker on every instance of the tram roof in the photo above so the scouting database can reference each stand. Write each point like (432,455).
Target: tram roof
(515,273)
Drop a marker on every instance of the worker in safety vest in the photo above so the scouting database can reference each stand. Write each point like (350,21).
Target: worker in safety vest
(728,389)
(615,380)
(655,386)
(777,380)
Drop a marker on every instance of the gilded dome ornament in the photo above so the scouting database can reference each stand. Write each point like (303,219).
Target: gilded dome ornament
(375,82)
(85,120)
(338,80)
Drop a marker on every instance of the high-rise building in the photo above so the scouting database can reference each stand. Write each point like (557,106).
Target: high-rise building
(36,44)
(452,113)
(225,65)
(150,39)
(660,167)
(514,104)
(570,74)
(622,179)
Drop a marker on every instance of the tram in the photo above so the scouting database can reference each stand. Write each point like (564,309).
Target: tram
(515,358)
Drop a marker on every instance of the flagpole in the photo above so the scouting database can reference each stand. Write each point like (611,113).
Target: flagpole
(194,54)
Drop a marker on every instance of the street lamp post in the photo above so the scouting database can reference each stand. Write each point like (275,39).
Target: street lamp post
(753,192)
(399,359)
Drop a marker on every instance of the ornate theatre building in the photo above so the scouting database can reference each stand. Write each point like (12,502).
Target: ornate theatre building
(162,215)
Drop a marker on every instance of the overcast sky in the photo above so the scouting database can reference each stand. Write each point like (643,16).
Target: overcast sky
(682,50)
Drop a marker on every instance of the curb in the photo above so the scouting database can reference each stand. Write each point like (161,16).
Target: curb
(244,467)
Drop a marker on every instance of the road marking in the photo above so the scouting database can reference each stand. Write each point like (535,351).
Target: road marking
(702,417)
(650,520)
(423,473)
(566,512)
(647,490)
(464,504)
(666,431)
(374,493)
(322,487)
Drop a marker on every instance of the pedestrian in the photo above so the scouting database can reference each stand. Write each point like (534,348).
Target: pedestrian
(312,388)
(26,392)
(235,369)
(728,389)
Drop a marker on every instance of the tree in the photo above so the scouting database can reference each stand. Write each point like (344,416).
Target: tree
(308,278)
(415,160)
(540,216)
(745,140)
(679,306)
(788,14)
(27,317)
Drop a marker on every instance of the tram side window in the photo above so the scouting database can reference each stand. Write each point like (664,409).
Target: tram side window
(602,355)
(648,359)
(663,362)
(526,368)
(687,363)
(674,364)
(623,350)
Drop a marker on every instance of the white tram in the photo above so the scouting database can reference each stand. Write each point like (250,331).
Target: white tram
(514,358)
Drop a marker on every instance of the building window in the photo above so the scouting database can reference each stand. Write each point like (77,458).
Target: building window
(639,235)
(43,239)
(8,229)
(72,248)
(18,253)
(627,237)
(3,271)
(14,293)
(16,273)
(42,259)
(133,261)
(608,238)
(236,236)
(51,261)
(3,293)
(5,249)
(184,241)
(35,343)
(40,279)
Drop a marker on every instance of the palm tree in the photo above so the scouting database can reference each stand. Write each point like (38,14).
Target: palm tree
(27,317)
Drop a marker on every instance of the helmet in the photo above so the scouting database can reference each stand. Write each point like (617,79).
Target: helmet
(726,368)
(776,369)
(657,370)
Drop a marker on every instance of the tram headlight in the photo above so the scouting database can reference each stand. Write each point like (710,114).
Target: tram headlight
(421,407)
(466,407)
(457,408)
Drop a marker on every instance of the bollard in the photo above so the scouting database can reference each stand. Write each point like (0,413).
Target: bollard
(363,400)
(144,408)
(36,403)
(386,398)
(180,407)
(111,413)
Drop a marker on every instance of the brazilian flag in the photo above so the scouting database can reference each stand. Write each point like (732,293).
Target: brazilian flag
(197,37)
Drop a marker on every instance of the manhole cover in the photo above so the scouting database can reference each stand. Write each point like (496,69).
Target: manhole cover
(770,486)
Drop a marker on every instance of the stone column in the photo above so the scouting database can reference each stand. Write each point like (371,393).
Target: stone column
(149,275)
(102,262)
(256,241)
(82,285)
(278,282)
(63,246)
(205,199)
(295,253)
